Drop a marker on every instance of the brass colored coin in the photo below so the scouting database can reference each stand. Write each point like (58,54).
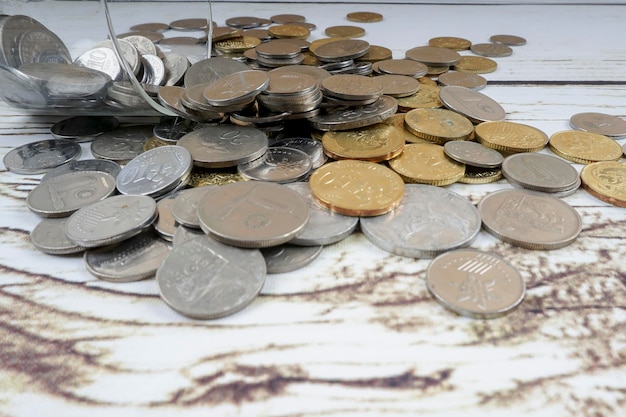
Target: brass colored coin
(287,18)
(289,32)
(584,147)
(438,125)
(357,188)
(510,137)
(397,121)
(225,32)
(427,81)
(450,42)
(201,177)
(426,97)
(364,17)
(497,50)
(150,27)
(476,175)
(427,163)
(606,181)
(475,65)
(154,142)
(433,56)
(374,143)
(238,44)
(345,31)
(376,53)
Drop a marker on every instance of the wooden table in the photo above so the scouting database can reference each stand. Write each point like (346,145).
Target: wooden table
(356,332)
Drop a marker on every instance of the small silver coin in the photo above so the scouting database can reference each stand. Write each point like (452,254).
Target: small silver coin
(496,50)
(111,220)
(176,65)
(287,258)
(83,128)
(154,70)
(324,227)
(185,206)
(601,123)
(155,172)
(41,156)
(205,279)
(540,172)
(253,214)
(311,147)
(472,104)
(121,144)
(48,237)
(64,194)
(279,164)
(510,40)
(473,153)
(99,165)
(133,259)
(429,221)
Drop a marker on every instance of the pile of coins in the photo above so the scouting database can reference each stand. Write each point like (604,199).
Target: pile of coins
(282,147)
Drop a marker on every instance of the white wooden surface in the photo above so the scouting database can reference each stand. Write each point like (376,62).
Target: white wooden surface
(355,333)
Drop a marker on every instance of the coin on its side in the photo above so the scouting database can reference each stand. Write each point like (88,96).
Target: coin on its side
(530,219)
(606,181)
(475,284)
(584,147)
(427,163)
(510,137)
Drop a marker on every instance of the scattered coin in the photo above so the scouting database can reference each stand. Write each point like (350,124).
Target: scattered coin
(475,65)
(497,50)
(99,165)
(540,172)
(433,56)
(473,153)
(462,79)
(345,31)
(584,147)
(373,143)
(600,123)
(450,42)
(438,125)
(364,17)
(41,156)
(510,40)
(427,163)
(510,137)
(184,208)
(287,258)
(121,144)
(606,181)
(474,105)
(48,237)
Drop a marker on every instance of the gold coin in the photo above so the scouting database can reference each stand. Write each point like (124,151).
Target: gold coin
(450,42)
(606,181)
(319,42)
(475,65)
(427,163)
(357,188)
(154,142)
(510,137)
(438,125)
(225,32)
(345,31)
(200,177)
(426,97)
(289,31)
(397,121)
(584,147)
(237,44)
(427,81)
(364,17)
(373,143)
(475,175)
(376,53)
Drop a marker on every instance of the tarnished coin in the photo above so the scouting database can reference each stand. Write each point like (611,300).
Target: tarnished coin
(83,128)
(529,219)
(121,144)
(462,79)
(472,153)
(243,22)
(64,194)
(438,125)
(398,85)
(131,260)
(311,147)
(279,164)
(352,87)
(474,105)
(374,143)
(475,65)
(184,209)
(427,163)
(48,237)
(364,17)
(600,123)
(41,156)
(287,18)
(356,117)
(584,147)
(237,277)
(287,258)
(510,40)
(433,56)
(99,165)
(189,24)
(496,50)
(176,65)
(253,214)
(111,220)
(540,172)
(450,42)
(510,137)
(357,188)
(475,284)
(429,220)
(606,181)
(346,31)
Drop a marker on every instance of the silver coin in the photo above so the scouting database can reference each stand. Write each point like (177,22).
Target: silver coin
(64,194)
(236,88)
(133,259)
(20,90)
(41,156)
(165,225)
(473,153)
(310,146)
(121,144)
(341,50)
(463,79)
(49,237)
(253,214)
(68,81)
(111,220)
(496,50)
(210,70)
(433,56)
(128,50)
(324,227)
(474,105)
(603,124)
(154,70)
(101,59)
(11,29)
(176,65)
(83,128)
(205,279)
(183,234)
(225,145)
(170,129)
(42,46)
(353,118)
(185,205)
(142,44)
(287,258)
(511,40)
(279,164)
(429,221)
(99,165)
(539,172)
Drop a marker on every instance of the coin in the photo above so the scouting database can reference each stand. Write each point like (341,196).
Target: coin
(243,22)
(584,147)
(474,105)
(475,65)
(426,163)
(236,88)
(438,125)
(450,42)
(357,188)
(511,40)
(279,164)
(41,156)
(340,50)
(189,24)
(287,18)
(475,284)
(83,128)
(165,225)
(364,17)
(150,27)
(352,87)
(209,70)
(429,220)
(497,50)
(510,137)
(355,117)
(463,79)
(402,67)
(476,175)
(373,143)
(376,53)
(472,153)
(289,31)
(184,234)
(48,237)
(287,258)
(433,56)
(20,89)
(121,144)
(600,123)
(345,31)
(606,181)
(311,147)
(253,214)
(100,165)
(185,205)
(426,97)
(529,219)
(540,172)
(397,121)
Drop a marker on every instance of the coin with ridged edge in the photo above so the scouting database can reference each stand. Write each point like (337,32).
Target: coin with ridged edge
(606,181)
(584,147)
(427,163)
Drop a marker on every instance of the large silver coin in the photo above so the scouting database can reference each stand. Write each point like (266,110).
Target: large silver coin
(83,128)
(41,156)
(253,214)
(211,70)
(429,220)
(184,233)
(176,65)
(67,81)
(121,144)
(111,220)
(101,59)
(540,172)
(279,164)
(48,236)
(472,104)
(205,279)
(603,124)
(155,172)
(64,194)
(324,227)
(287,258)
(42,46)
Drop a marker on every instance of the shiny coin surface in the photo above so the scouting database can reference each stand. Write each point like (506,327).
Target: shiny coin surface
(584,147)
(352,87)
(83,128)
(462,79)
(600,123)
(341,50)
(165,225)
(406,67)
(253,214)
(99,165)
(438,125)
(357,188)
(64,194)
(41,156)
(210,70)
(475,65)
(540,172)
(606,181)
(427,163)
(510,137)
(429,220)
(236,278)
(184,208)
(121,144)
(131,260)
(374,143)
(529,219)
(287,258)
(279,164)
(235,88)
(311,147)
(426,97)
(472,153)
(356,117)
(475,284)
(511,40)
(48,237)
(474,105)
